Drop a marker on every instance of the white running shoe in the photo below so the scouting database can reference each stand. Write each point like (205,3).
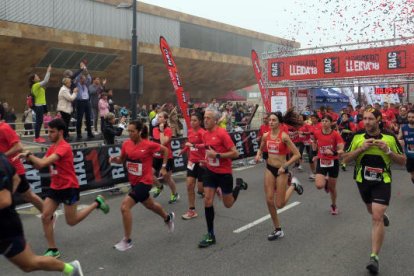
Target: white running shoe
(123,245)
(300,168)
(312,176)
(77,269)
(170,223)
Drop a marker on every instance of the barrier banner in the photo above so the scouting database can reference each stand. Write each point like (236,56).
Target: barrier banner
(258,73)
(94,171)
(182,97)
(355,63)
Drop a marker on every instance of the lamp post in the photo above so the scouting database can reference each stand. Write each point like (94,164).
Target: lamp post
(133,72)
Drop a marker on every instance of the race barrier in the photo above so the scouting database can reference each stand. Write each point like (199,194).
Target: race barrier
(94,171)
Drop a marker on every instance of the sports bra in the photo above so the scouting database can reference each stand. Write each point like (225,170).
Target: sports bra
(276,146)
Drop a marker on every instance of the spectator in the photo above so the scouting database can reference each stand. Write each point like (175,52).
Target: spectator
(83,105)
(64,106)
(111,130)
(111,101)
(27,120)
(46,119)
(103,109)
(10,117)
(95,91)
(238,117)
(38,89)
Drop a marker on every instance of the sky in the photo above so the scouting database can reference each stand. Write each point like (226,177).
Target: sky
(313,23)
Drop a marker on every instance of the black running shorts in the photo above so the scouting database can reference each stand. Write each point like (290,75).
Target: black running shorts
(194,170)
(216,180)
(378,192)
(140,192)
(68,196)
(333,171)
(24,185)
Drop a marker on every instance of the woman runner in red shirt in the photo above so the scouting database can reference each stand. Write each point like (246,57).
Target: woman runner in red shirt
(195,169)
(329,146)
(278,144)
(137,155)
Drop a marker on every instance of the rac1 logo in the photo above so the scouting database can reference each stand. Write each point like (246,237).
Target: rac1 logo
(331,65)
(277,69)
(396,59)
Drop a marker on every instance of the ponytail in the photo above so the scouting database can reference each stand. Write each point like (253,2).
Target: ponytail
(144,132)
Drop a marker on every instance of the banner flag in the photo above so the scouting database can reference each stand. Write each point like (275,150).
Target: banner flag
(258,74)
(182,97)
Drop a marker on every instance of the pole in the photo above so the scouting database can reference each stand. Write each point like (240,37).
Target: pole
(134,67)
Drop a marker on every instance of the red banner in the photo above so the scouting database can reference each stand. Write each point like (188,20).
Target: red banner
(356,63)
(182,97)
(258,73)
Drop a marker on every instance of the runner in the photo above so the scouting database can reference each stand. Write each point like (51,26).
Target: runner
(329,146)
(64,185)
(373,150)
(10,145)
(195,169)
(12,242)
(220,149)
(346,128)
(305,132)
(138,153)
(406,134)
(278,144)
(162,134)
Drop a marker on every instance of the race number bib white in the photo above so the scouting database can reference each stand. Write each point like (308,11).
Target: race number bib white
(193,149)
(157,154)
(134,168)
(53,170)
(190,165)
(373,174)
(326,163)
(214,162)
(410,148)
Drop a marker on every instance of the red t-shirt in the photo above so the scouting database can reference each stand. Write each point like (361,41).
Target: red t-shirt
(284,128)
(263,129)
(139,160)
(156,136)
(305,138)
(293,134)
(327,141)
(334,116)
(388,115)
(62,171)
(219,140)
(197,154)
(8,137)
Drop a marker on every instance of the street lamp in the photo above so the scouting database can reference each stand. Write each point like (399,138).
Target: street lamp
(133,73)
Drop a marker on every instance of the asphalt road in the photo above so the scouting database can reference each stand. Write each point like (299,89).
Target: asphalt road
(315,242)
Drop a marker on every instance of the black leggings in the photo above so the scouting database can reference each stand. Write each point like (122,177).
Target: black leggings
(66,119)
(39,111)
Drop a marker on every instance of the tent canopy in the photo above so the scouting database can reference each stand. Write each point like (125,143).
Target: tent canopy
(329,97)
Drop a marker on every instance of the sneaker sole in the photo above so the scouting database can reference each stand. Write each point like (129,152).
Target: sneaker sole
(372,269)
(80,272)
(205,246)
(188,218)
(122,250)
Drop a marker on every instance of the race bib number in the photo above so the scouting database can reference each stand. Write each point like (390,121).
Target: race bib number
(190,165)
(326,163)
(134,168)
(53,170)
(273,147)
(214,162)
(373,174)
(157,154)
(193,149)
(410,148)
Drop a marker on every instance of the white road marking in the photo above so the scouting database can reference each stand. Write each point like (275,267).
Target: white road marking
(260,220)
(243,168)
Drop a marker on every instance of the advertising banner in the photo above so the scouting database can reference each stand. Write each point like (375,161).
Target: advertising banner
(182,97)
(93,169)
(259,78)
(279,99)
(356,63)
